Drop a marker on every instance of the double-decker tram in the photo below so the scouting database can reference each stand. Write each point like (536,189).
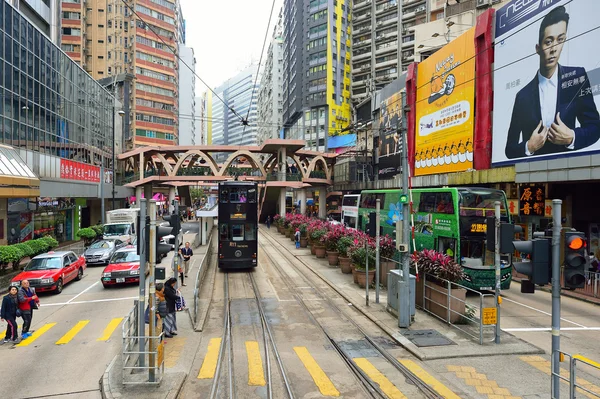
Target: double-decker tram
(238,225)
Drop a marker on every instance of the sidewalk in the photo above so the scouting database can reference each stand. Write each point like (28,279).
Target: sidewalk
(377,313)
(179,351)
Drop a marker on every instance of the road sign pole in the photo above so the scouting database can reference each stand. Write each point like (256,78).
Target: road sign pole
(142,296)
(377,261)
(556,229)
(176,241)
(404,306)
(151,293)
(367,271)
(497,263)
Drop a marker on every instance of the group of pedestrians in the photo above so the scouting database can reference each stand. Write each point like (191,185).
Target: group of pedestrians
(19,302)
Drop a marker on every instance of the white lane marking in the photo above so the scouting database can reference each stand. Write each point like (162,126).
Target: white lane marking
(90,301)
(187,232)
(541,311)
(537,329)
(83,292)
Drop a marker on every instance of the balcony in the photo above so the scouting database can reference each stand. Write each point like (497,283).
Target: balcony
(362,17)
(362,56)
(360,4)
(409,43)
(459,8)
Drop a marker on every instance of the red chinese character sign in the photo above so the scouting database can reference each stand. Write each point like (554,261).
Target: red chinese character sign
(72,170)
(532,200)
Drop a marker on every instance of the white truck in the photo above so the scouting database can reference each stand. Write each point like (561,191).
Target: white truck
(121,224)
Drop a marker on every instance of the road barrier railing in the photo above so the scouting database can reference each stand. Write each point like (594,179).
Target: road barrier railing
(133,372)
(577,385)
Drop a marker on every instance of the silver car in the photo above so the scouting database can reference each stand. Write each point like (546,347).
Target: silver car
(100,252)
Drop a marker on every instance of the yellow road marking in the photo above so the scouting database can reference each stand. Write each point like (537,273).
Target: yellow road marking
(545,366)
(316,372)
(429,379)
(209,364)
(112,326)
(386,385)
(481,383)
(72,332)
(256,374)
(36,334)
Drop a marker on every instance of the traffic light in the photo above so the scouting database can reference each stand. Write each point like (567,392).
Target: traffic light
(162,249)
(538,268)
(143,237)
(372,225)
(174,222)
(574,272)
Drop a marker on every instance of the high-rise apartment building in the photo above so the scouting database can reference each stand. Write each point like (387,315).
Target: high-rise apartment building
(187,96)
(270,100)
(316,68)
(107,38)
(44,14)
(204,112)
(237,94)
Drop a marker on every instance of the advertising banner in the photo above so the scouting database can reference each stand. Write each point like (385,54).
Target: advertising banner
(72,170)
(546,80)
(445,108)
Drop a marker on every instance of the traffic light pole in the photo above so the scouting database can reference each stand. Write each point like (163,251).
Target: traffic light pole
(404,286)
(176,250)
(151,293)
(142,297)
(367,271)
(377,265)
(556,229)
(498,268)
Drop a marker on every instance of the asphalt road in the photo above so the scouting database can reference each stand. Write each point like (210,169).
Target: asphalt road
(79,334)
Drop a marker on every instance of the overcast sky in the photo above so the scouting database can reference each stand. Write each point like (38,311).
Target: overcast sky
(226,36)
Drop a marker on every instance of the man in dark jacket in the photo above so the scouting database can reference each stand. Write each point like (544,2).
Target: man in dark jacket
(28,301)
(8,313)
(170,322)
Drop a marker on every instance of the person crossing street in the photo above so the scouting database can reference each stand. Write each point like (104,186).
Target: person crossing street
(28,301)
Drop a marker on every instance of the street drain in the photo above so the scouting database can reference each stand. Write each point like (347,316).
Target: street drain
(424,338)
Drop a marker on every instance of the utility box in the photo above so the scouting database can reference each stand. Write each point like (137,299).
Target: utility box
(394,277)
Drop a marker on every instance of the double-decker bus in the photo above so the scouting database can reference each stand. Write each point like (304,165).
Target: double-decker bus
(238,225)
(449,220)
(350,204)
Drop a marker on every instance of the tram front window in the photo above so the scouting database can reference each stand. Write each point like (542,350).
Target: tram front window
(237,232)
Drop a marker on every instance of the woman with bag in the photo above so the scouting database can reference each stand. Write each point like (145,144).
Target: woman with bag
(170,321)
(10,312)
(161,306)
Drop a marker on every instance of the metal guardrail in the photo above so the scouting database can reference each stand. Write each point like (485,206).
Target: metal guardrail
(453,317)
(201,273)
(77,247)
(592,284)
(130,355)
(575,386)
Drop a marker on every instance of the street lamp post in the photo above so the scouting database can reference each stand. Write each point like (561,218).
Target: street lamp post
(114,162)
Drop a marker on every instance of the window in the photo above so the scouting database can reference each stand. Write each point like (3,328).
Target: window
(432,202)
(100,26)
(369,201)
(223,231)
(237,232)
(250,232)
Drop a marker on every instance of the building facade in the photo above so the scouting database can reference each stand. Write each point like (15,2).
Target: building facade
(204,112)
(270,100)
(316,68)
(44,14)
(110,37)
(187,96)
(60,120)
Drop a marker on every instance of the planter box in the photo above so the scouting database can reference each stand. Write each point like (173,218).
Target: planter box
(354,274)
(345,265)
(436,300)
(303,242)
(319,251)
(332,257)
(384,268)
(362,278)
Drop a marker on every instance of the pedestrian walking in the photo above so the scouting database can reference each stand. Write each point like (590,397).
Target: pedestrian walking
(297,238)
(269,222)
(187,253)
(170,321)
(9,313)
(28,301)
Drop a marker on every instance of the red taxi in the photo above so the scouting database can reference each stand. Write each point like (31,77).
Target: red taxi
(51,271)
(123,268)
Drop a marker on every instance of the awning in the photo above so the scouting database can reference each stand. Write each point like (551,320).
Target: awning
(17,180)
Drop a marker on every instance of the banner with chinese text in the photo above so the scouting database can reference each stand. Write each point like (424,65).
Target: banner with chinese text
(72,170)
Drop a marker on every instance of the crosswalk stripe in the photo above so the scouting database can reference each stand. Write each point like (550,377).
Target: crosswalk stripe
(112,326)
(386,385)
(209,364)
(65,339)
(429,379)
(256,374)
(36,334)
(316,372)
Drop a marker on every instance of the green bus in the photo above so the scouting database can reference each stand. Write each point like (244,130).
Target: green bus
(449,220)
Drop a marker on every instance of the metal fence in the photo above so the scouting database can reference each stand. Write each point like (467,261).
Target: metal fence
(577,385)
(133,372)
(447,301)
(201,272)
(592,284)
(77,247)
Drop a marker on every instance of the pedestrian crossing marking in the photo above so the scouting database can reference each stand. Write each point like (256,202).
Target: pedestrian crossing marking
(209,364)
(429,379)
(316,372)
(36,334)
(112,326)
(65,339)
(545,366)
(174,348)
(256,374)
(481,383)
(375,375)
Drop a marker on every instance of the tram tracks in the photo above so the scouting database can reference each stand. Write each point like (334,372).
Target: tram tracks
(370,386)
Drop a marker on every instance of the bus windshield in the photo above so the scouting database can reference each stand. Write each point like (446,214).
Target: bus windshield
(480,203)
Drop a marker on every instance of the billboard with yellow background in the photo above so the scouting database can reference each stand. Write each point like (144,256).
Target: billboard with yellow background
(445,107)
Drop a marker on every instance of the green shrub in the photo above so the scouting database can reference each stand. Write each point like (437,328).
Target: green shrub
(51,241)
(25,248)
(38,246)
(99,229)
(10,254)
(87,233)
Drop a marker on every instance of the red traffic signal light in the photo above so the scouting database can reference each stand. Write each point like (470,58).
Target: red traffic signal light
(575,243)
(575,261)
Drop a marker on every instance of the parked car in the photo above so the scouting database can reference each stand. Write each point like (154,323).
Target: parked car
(52,270)
(100,252)
(124,267)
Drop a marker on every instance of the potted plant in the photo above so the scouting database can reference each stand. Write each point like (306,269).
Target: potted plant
(359,255)
(277,222)
(330,240)
(316,230)
(387,250)
(303,237)
(440,273)
(343,245)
